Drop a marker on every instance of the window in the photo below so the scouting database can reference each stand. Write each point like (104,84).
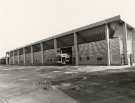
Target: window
(99,58)
(80,58)
(88,58)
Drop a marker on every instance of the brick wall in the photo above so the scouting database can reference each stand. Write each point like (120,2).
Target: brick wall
(21,58)
(11,60)
(28,59)
(94,53)
(115,51)
(16,59)
(49,57)
(37,58)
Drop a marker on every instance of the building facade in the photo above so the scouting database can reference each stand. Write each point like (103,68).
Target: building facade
(108,42)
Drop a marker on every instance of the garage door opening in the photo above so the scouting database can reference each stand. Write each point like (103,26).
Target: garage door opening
(65,56)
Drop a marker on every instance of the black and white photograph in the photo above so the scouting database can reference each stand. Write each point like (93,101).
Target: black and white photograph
(67,51)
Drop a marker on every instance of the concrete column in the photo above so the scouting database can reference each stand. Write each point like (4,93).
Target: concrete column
(32,56)
(13,57)
(18,57)
(42,52)
(76,50)
(55,44)
(24,57)
(125,43)
(108,44)
(7,61)
(7,56)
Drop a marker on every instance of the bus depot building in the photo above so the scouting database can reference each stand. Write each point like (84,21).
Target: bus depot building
(108,42)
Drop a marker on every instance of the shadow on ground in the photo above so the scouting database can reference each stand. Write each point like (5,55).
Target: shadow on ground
(100,87)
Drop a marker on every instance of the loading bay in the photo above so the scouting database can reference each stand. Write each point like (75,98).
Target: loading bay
(66,84)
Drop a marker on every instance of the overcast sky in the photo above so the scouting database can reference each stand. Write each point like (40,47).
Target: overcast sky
(26,21)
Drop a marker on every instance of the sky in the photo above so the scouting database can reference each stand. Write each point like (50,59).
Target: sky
(25,21)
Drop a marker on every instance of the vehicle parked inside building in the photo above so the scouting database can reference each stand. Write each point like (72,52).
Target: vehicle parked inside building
(63,58)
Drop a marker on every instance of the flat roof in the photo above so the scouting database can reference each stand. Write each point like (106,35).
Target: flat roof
(109,20)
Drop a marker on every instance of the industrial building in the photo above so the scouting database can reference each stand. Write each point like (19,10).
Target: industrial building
(108,42)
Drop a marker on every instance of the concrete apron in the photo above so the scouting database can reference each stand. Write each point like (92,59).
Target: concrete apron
(100,68)
(40,96)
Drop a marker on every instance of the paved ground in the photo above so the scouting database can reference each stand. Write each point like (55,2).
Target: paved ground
(21,84)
